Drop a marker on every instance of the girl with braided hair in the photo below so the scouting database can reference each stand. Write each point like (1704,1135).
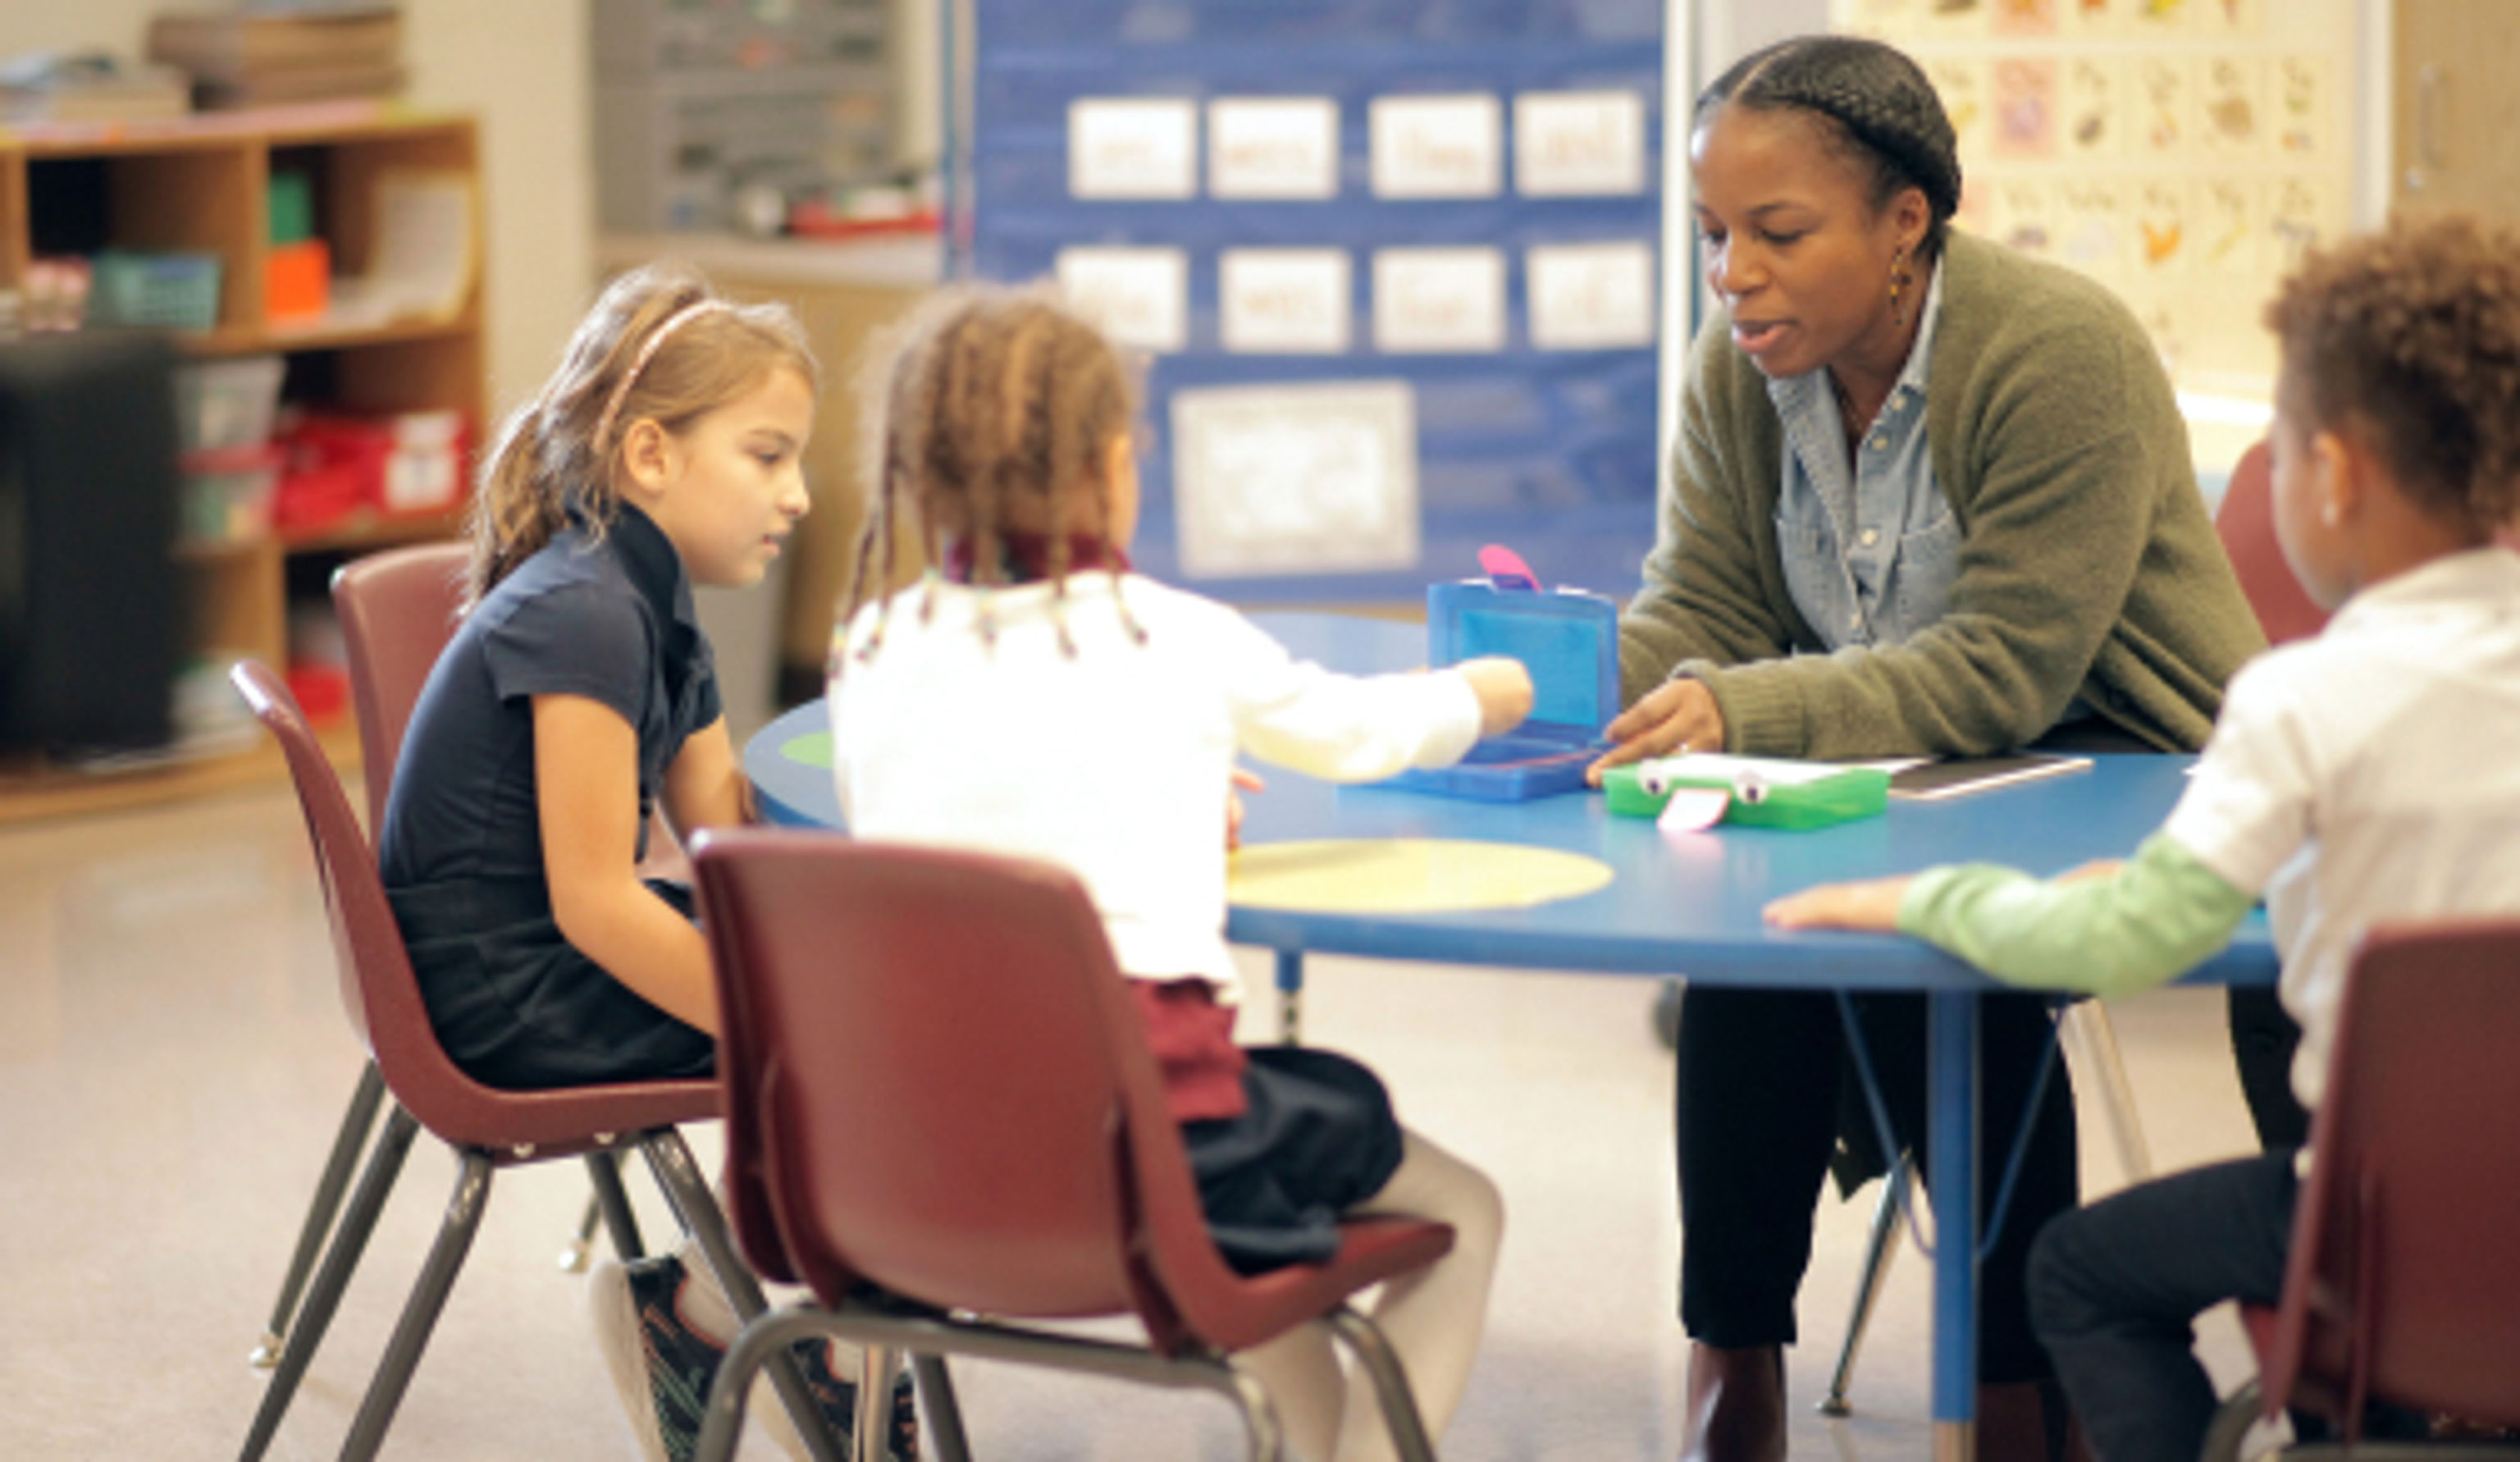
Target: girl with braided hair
(1928,498)
(2396,459)
(577,696)
(1034,698)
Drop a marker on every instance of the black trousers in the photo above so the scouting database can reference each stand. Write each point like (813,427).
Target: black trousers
(1760,1075)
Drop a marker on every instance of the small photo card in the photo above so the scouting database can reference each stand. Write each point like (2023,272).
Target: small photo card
(1299,478)
(1139,297)
(1132,147)
(1570,143)
(1438,300)
(1284,301)
(1273,147)
(1437,146)
(1591,296)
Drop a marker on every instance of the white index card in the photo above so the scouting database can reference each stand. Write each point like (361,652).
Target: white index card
(1568,143)
(1447,299)
(1436,146)
(1132,147)
(1294,301)
(1306,478)
(1591,296)
(1273,147)
(1139,297)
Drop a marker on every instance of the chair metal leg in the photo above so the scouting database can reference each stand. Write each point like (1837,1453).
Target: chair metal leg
(873,1427)
(1267,1438)
(671,1158)
(420,1312)
(385,1164)
(1390,1383)
(2092,1041)
(1880,1248)
(357,1120)
(611,1201)
(578,1254)
(936,1404)
(2231,1424)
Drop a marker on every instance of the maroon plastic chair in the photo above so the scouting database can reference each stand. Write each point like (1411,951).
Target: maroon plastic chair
(488,1127)
(940,1105)
(2403,1283)
(2245,522)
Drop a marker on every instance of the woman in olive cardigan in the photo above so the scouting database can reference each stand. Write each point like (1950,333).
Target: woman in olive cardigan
(1930,497)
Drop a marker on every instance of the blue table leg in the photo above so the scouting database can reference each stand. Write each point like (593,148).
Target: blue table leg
(1952,1114)
(1290,996)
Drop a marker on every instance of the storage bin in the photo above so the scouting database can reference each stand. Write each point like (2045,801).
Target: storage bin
(224,404)
(163,291)
(227,495)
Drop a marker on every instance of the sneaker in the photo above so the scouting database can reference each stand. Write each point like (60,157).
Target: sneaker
(661,1366)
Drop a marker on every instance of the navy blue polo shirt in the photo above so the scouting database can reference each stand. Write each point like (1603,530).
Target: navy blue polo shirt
(514,1003)
(610,619)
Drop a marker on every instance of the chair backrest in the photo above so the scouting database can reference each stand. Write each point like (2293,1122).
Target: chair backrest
(2245,520)
(397,611)
(381,995)
(2403,1279)
(935,1080)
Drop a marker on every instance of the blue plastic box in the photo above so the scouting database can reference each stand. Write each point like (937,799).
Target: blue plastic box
(1569,641)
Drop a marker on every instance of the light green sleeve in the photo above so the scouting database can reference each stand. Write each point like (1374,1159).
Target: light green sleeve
(2160,915)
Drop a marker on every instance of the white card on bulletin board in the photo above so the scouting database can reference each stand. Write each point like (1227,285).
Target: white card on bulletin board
(1132,147)
(1140,297)
(1436,146)
(1296,479)
(1572,143)
(1284,301)
(1449,299)
(1591,296)
(1273,147)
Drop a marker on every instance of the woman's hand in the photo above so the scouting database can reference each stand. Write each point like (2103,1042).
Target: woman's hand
(1872,905)
(1244,782)
(1677,715)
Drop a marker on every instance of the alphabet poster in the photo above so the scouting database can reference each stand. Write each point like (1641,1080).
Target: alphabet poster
(1390,272)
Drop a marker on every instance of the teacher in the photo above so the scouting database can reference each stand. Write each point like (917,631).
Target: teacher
(1929,497)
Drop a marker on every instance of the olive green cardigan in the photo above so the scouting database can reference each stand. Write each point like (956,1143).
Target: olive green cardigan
(2088,565)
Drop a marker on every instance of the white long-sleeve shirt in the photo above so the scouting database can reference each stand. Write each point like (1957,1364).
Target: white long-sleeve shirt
(1115,761)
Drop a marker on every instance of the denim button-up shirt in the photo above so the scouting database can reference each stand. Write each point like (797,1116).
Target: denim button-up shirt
(1869,550)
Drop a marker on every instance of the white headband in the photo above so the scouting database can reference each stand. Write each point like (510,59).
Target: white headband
(647,353)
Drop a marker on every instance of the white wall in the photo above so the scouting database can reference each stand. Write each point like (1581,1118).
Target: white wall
(520,67)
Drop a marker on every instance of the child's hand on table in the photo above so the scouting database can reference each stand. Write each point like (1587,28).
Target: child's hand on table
(1872,905)
(1504,689)
(1244,782)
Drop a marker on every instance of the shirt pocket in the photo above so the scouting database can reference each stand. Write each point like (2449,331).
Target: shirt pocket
(1817,582)
(1920,589)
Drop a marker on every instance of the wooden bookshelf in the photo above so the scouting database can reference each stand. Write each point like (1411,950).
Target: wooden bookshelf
(202,185)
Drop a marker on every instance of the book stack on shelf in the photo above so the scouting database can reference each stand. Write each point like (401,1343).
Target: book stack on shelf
(264,55)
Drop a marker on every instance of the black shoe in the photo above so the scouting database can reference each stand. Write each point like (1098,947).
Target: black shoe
(839,1400)
(659,1364)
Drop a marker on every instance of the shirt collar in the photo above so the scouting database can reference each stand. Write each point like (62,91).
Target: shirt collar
(2477,576)
(649,559)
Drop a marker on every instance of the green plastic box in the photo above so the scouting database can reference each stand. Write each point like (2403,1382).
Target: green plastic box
(1767,792)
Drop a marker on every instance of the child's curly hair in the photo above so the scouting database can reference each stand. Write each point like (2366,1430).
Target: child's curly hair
(2409,340)
(985,408)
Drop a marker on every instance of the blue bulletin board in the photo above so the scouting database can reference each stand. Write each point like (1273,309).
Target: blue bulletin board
(1392,266)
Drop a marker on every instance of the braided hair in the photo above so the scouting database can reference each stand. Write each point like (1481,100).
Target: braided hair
(985,409)
(2408,339)
(1873,107)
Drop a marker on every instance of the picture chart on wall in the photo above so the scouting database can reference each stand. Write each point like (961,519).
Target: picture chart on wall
(1390,268)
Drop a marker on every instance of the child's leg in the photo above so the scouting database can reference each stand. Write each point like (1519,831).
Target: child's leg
(2115,1290)
(1433,1319)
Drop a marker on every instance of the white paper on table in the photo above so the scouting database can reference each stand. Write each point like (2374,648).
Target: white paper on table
(1591,296)
(1568,143)
(1296,479)
(1438,300)
(1140,297)
(1273,147)
(1132,147)
(1291,300)
(1436,146)
(422,259)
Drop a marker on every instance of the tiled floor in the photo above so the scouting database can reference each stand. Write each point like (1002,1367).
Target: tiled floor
(173,1061)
